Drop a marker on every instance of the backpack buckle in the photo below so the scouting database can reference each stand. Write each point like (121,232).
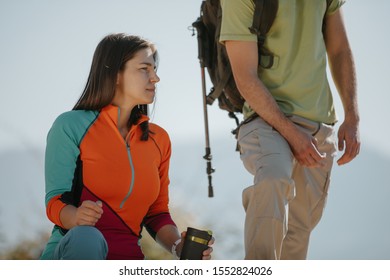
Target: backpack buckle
(266,61)
(255,31)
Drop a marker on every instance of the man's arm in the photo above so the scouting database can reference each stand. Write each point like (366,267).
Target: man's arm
(344,76)
(243,58)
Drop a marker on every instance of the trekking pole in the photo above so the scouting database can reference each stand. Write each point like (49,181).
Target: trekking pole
(209,170)
(208,155)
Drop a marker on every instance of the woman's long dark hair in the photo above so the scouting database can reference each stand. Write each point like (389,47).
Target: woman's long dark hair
(109,59)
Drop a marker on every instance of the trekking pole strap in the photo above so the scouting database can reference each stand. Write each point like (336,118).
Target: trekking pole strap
(217,91)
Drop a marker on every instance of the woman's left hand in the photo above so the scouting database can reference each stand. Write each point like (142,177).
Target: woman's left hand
(207,253)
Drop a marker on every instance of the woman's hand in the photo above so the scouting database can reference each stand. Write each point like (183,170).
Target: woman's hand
(207,253)
(88,213)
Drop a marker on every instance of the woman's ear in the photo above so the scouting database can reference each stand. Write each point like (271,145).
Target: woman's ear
(118,78)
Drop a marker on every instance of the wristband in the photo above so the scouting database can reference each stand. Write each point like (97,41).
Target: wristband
(173,249)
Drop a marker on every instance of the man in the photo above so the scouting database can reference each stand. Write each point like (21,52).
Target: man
(290,146)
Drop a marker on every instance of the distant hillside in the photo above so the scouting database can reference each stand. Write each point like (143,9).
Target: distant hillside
(354,226)
(22,213)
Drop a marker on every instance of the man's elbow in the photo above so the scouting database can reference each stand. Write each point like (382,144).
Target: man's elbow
(246,83)
(340,56)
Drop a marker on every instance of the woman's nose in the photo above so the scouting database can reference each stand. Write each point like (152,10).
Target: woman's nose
(155,78)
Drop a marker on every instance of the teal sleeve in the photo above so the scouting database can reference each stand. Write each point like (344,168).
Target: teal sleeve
(62,150)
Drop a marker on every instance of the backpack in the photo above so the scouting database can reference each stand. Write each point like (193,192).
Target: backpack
(213,56)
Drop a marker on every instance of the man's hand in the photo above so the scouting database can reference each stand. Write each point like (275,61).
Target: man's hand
(349,141)
(304,148)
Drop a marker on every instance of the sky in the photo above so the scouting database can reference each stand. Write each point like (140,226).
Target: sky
(47,46)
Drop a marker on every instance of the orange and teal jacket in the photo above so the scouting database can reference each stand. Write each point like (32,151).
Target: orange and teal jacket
(87,158)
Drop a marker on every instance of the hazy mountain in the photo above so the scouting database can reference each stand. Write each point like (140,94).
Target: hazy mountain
(354,225)
(22,212)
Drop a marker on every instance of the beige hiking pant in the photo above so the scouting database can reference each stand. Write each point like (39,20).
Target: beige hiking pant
(287,200)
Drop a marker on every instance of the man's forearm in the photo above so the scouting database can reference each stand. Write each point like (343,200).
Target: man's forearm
(263,103)
(344,76)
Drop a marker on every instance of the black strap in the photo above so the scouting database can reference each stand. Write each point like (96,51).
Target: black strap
(262,22)
(256,27)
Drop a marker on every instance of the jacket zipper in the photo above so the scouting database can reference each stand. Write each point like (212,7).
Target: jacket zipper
(132,176)
(131,166)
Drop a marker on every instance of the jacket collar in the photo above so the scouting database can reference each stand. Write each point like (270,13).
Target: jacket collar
(113,112)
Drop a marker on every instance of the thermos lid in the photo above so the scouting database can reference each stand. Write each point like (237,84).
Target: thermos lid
(199,236)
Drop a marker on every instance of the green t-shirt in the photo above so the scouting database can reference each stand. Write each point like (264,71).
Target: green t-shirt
(298,79)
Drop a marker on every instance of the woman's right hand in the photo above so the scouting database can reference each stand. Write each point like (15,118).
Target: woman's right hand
(88,213)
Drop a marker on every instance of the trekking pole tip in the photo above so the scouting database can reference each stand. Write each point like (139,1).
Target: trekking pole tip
(211,191)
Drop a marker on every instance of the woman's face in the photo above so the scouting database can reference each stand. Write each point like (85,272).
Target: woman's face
(136,84)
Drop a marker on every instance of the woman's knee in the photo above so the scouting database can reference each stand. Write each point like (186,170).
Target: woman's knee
(82,242)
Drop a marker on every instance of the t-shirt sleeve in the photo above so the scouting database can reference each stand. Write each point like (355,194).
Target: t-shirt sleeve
(334,6)
(237,17)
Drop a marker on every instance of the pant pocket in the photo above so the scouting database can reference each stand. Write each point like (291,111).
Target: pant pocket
(320,206)
(247,194)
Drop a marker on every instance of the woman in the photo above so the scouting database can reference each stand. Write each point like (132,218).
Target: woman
(106,166)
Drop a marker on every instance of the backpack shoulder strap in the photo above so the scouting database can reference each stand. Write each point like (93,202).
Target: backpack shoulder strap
(263,18)
(264,15)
